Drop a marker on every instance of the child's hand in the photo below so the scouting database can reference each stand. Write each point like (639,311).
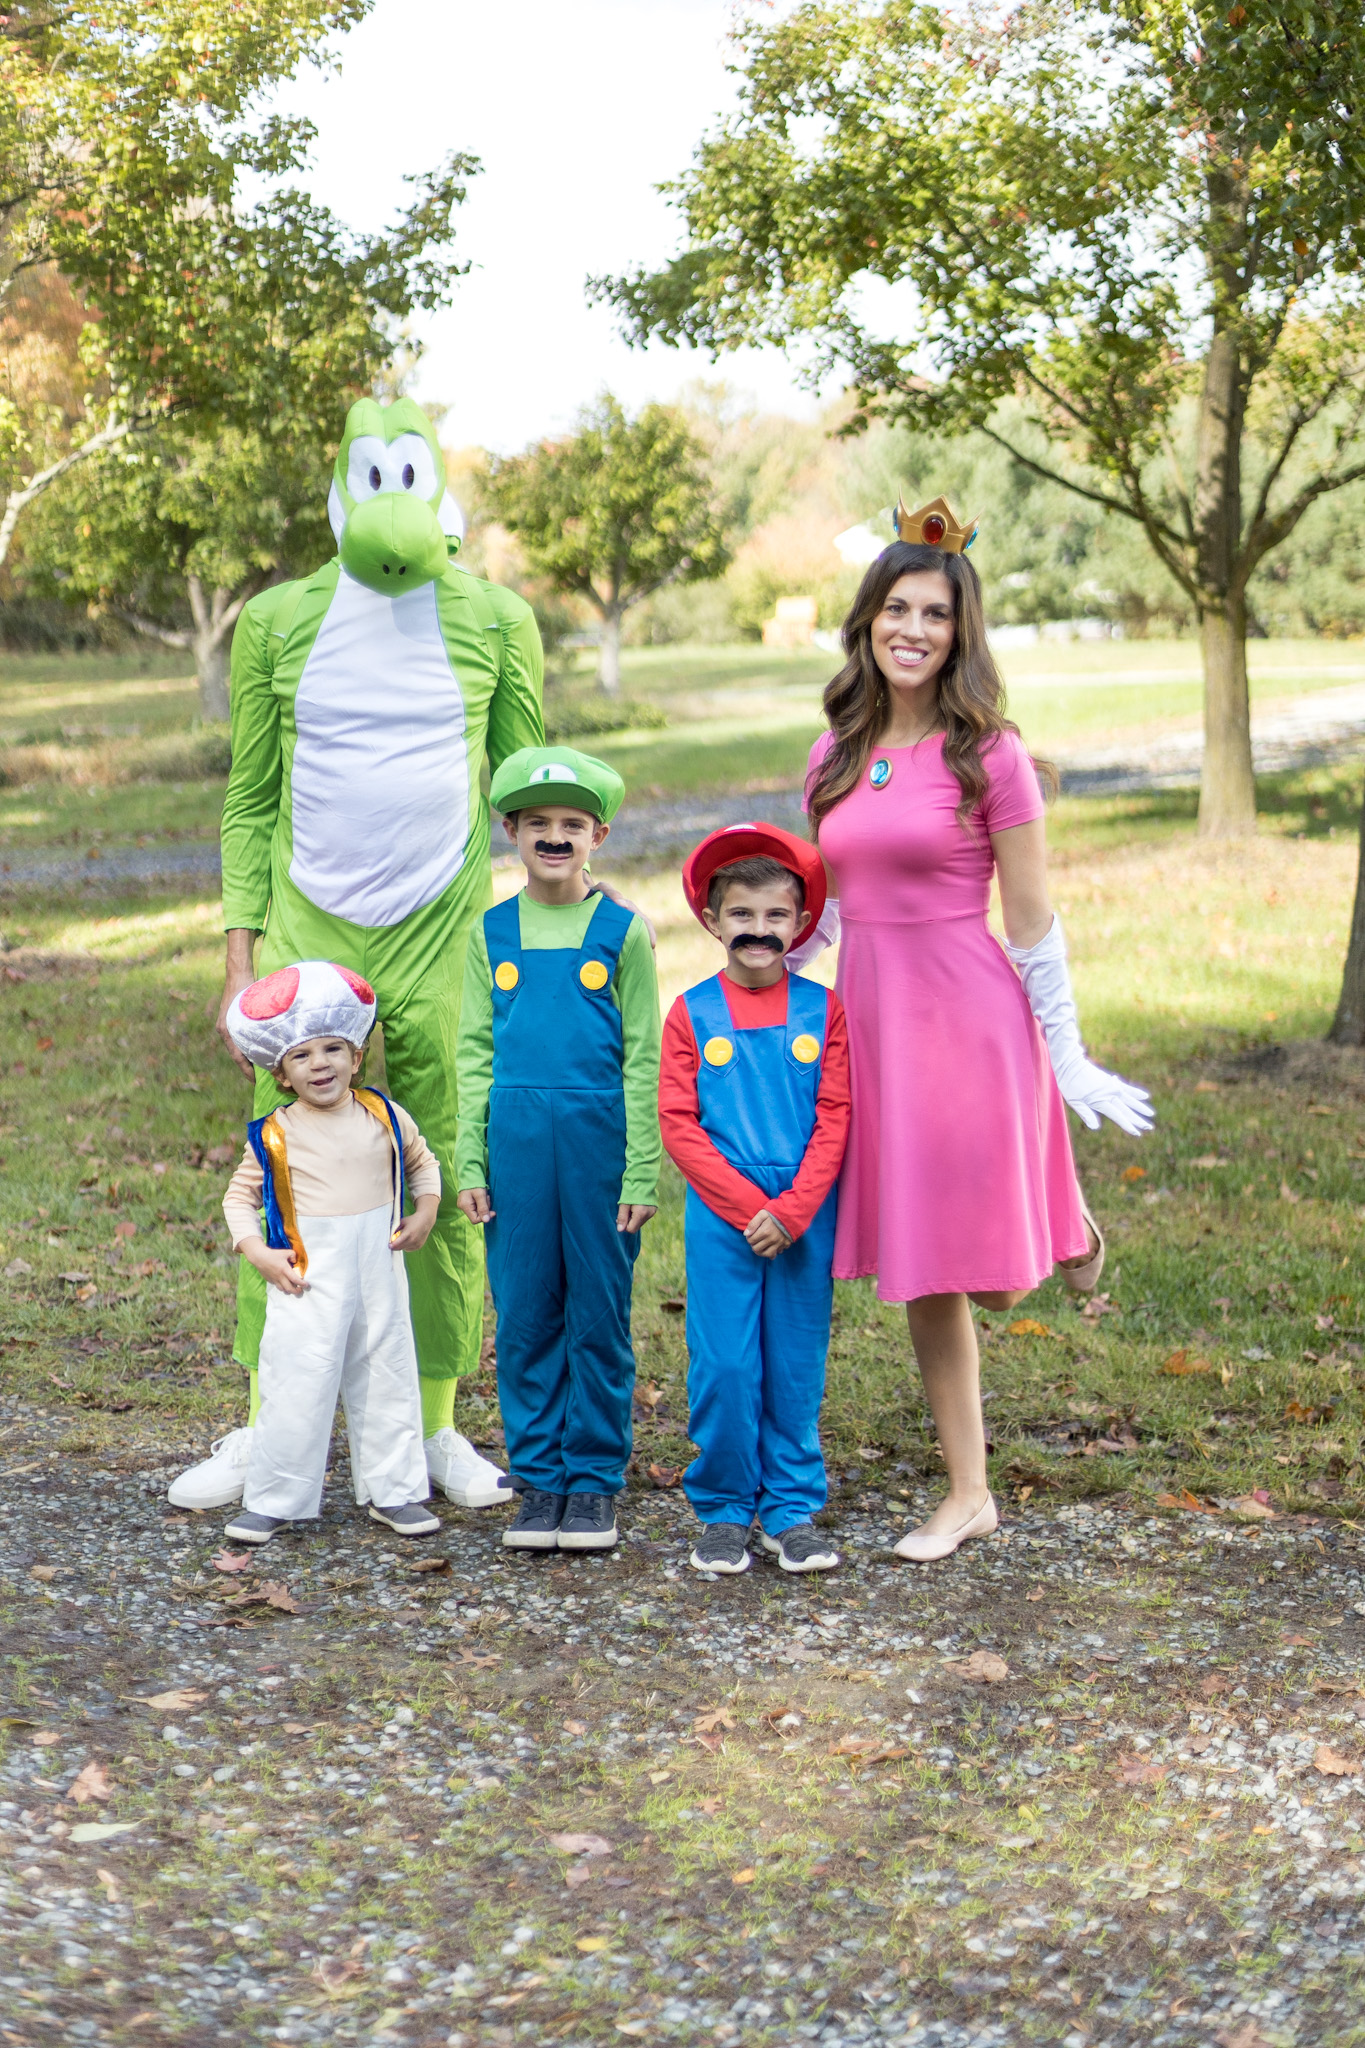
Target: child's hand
(474,1204)
(633,1216)
(766,1236)
(413,1232)
(278,1267)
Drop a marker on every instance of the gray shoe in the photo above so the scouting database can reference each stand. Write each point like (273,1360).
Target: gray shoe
(247,1527)
(536,1523)
(414,1518)
(722,1547)
(589,1522)
(801,1549)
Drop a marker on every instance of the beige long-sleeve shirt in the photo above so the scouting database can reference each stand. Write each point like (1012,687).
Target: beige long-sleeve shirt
(340,1164)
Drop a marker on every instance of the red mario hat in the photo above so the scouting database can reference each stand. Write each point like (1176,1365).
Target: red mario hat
(747,842)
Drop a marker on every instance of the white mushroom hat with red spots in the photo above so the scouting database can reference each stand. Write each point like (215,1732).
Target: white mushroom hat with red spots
(315,999)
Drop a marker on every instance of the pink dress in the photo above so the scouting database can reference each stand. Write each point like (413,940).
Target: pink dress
(958,1176)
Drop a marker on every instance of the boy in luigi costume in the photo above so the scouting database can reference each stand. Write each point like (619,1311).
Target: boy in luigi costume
(558,1150)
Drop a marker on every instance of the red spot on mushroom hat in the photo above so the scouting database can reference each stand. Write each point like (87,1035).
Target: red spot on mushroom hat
(315,999)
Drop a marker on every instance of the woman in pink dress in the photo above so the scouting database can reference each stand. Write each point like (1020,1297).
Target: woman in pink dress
(958,1184)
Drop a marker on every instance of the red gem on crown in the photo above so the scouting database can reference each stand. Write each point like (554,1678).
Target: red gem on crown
(933,530)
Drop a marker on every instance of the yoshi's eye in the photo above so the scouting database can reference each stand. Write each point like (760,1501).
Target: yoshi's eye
(404,464)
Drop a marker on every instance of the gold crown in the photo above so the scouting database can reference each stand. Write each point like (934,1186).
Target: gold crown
(935,525)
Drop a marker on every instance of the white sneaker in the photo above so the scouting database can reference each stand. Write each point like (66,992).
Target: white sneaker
(219,1479)
(456,1470)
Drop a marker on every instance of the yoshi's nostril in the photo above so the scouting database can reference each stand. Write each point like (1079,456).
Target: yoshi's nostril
(387,570)
(409,476)
(402,572)
(375,478)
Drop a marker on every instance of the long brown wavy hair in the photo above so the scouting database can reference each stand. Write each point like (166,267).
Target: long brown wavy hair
(971,694)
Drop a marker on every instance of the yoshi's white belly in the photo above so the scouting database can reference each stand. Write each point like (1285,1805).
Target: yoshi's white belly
(381,774)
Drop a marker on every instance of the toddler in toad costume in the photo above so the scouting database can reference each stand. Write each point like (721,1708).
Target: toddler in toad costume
(328,1173)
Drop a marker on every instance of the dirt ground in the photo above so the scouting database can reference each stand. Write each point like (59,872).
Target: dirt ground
(364,1791)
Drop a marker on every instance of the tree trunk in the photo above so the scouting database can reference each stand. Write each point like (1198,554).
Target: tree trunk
(1348,1026)
(1227,793)
(211,667)
(609,654)
(1227,788)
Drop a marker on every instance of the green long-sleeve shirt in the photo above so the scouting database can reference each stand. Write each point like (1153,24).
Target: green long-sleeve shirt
(548,927)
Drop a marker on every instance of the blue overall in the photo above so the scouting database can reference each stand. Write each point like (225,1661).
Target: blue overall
(559,1270)
(758,1329)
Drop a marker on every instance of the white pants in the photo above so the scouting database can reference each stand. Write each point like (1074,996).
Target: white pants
(349,1334)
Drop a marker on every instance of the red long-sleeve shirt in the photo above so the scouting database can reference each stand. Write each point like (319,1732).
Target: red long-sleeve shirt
(722,1186)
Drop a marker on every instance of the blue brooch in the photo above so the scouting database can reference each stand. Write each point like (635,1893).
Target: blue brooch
(880,773)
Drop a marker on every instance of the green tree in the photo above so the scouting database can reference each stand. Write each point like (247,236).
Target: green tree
(613,512)
(126,127)
(1107,210)
(173,533)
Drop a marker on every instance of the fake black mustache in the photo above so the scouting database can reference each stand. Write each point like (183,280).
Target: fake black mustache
(545,846)
(763,942)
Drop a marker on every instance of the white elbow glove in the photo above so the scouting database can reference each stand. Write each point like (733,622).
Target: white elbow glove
(825,933)
(1091,1092)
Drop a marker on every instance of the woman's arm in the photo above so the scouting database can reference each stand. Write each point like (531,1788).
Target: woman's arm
(1021,865)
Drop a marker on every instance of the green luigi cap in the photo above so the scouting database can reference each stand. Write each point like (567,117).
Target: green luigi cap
(557,775)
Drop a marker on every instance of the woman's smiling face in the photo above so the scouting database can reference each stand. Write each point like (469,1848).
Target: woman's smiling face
(913,633)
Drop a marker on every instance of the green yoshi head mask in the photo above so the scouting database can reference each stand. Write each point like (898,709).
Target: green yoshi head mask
(395,522)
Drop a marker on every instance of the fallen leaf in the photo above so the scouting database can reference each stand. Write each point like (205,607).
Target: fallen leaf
(660,1777)
(1027,1327)
(1132,1770)
(709,1805)
(300,1727)
(124,1230)
(983,1667)
(579,1873)
(1248,2035)
(1287,1193)
(1252,1507)
(44,1738)
(575,1727)
(581,1845)
(177,1701)
(1133,1173)
(93,1783)
(744,1877)
(336,1975)
(1207,1160)
(1180,1363)
(16,1267)
(231,1560)
(1332,1765)
(718,1717)
(219,1155)
(269,1594)
(674,1305)
(101,1830)
(1212,1685)
(468,1656)
(648,1397)
(665,1476)
(430,1564)
(631,2026)
(1098,1305)
(1298,1411)
(73,1279)
(111,1886)
(46,1572)
(1188,1501)
(1294,1642)
(592,1944)
(1037,1594)
(1206,1087)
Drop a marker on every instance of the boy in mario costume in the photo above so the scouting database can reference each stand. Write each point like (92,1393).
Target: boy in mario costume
(330,1170)
(754,1110)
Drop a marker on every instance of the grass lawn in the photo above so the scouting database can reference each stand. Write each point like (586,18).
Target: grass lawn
(806,1805)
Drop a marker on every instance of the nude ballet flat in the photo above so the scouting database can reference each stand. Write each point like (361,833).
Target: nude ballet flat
(921,1549)
(1085,1279)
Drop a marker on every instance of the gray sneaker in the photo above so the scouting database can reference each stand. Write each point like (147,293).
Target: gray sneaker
(589,1522)
(414,1518)
(536,1523)
(722,1547)
(801,1549)
(246,1527)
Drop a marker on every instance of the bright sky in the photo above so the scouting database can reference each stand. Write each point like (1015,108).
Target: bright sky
(577,108)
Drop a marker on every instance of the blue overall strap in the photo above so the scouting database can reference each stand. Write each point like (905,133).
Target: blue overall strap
(606,934)
(807,1015)
(502,937)
(380,1107)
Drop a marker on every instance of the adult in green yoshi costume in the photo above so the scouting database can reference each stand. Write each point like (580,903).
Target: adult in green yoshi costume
(364,700)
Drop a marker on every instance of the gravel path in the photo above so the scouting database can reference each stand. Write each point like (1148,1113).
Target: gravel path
(795,1815)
